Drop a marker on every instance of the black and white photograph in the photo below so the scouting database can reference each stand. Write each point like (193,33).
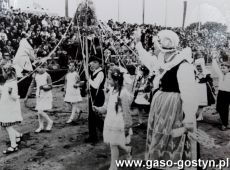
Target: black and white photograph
(114,84)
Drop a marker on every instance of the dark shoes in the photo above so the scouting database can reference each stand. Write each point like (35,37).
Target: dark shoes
(91,140)
(19,139)
(10,150)
(224,128)
(79,114)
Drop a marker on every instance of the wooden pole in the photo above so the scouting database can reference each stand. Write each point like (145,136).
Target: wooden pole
(8,3)
(143,14)
(1,1)
(66,8)
(166,12)
(184,14)
(15,4)
(118,10)
(199,15)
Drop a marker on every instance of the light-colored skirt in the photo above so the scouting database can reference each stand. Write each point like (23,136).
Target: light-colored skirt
(10,113)
(114,131)
(73,96)
(202,94)
(44,102)
(165,115)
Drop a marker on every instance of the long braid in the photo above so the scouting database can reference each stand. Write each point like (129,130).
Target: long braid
(118,76)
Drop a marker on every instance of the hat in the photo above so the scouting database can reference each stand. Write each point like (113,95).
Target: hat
(95,58)
(144,69)
(168,40)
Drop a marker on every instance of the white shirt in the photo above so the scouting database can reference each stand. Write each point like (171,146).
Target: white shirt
(23,57)
(186,81)
(224,80)
(98,80)
(188,90)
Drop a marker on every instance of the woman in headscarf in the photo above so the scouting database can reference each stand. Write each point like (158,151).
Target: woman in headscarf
(174,105)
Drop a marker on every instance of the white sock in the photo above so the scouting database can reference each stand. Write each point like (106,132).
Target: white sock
(114,156)
(46,117)
(40,121)
(12,136)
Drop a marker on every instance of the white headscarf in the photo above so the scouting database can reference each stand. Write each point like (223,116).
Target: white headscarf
(168,41)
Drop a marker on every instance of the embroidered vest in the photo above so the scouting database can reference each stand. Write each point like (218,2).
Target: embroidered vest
(94,91)
(169,82)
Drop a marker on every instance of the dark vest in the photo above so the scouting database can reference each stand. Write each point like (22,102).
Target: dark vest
(169,82)
(98,96)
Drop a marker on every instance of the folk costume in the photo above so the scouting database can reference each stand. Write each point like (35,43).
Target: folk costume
(174,104)
(223,96)
(96,98)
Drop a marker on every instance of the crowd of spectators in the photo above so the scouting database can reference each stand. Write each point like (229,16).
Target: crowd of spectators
(46,31)
(201,38)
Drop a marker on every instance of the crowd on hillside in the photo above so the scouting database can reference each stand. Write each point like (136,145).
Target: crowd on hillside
(46,31)
(171,83)
(201,40)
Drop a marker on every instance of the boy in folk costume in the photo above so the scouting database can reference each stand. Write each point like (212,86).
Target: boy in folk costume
(96,98)
(223,97)
(174,105)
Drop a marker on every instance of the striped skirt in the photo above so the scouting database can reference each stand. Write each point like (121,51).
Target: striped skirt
(165,115)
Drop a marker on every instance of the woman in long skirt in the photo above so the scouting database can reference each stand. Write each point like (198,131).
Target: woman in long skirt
(174,105)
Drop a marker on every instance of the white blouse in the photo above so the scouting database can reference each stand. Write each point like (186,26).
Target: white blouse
(224,80)
(186,81)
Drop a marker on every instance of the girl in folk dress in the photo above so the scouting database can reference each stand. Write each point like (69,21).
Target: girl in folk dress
(141,94)
(72,91)
(10,108)
(44,97)
(117,127)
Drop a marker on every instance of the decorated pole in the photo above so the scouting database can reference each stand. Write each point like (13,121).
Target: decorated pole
(87,28)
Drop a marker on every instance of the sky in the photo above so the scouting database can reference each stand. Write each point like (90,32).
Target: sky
(131,10)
